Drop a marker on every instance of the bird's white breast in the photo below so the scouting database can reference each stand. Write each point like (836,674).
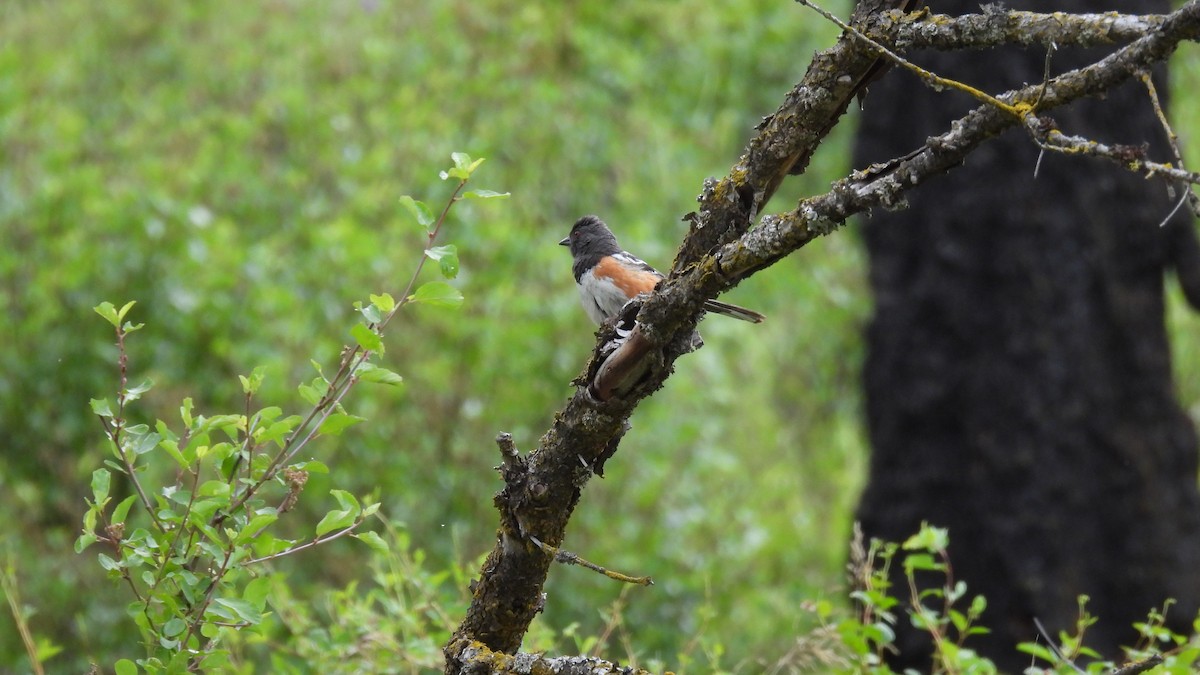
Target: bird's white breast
(600,296)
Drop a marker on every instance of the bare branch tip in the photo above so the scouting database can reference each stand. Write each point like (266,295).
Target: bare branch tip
(508,449)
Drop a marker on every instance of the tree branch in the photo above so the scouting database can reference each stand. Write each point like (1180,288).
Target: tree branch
(528,664)
(542,489)
(884,184)
(994,28)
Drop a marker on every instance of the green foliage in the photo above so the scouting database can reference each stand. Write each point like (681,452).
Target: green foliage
(192,556)
(858,642)
(933,608)
(238,168)
(394,621)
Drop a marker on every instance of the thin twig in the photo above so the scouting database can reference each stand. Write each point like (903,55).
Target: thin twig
(308,544)
(1050,49)
(437,227)
(118,424)
(1037,623)
(8,583)
(1189,195)
(568,558)
(933,79)
(1130,157)
(198,611)
(1138,667)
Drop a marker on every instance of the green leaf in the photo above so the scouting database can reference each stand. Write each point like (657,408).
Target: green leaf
(337,422)
(447,259)
(174,627)
(230,424)
(310,393)
(144,442)
(485,194)
(256,592)
(122,511)
(267,545)
(1038,651)
(214,488)
(311,466)
(438,294)
(369,372)
(464,166)
(978,604)
(185,412)
(101,479)
(125,667)
(125,310)
(256,523)
(269,413)
(921,561)
(239,609)
(371,313)
(384,301)
(419,210)
(316,390)
(109,312)
(45,649)
(335,520)
(929,538)
(251,384)
(135,393)
(276,431)
(366,338)
(958,619)
(101,407)
(85,540)
(373,540)
(216,661)
(344,517)
(172,449)
(346,500)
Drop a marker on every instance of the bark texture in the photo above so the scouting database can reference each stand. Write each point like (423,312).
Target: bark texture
(542,488)
(1018,380)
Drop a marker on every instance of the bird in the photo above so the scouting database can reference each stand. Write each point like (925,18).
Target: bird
(608,277)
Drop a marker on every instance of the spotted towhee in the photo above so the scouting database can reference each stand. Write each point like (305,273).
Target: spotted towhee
(608,277)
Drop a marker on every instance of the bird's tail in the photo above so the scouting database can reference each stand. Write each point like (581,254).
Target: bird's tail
(726,309)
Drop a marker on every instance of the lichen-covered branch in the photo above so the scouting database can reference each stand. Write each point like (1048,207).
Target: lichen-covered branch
(541,489)
(787,139)
(1131,157)
(884,185)
(993,28)
(484,660)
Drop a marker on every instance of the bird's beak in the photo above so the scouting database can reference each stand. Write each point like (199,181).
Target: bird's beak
(566,241)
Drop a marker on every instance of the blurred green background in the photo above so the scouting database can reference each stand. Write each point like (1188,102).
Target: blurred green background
(235,168)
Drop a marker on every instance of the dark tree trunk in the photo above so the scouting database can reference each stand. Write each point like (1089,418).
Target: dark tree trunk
(1018,382)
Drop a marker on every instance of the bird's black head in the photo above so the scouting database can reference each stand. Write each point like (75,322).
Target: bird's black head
(590,238)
